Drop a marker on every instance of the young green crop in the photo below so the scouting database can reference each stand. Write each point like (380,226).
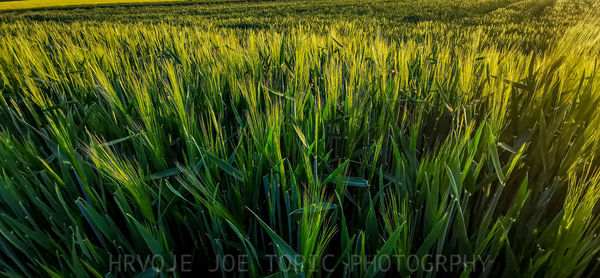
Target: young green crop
(326,148)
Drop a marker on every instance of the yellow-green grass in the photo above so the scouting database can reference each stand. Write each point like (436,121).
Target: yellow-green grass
(155,126)
(305,143)
(31,4)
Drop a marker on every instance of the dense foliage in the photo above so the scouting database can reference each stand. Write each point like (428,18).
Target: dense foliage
(466,129)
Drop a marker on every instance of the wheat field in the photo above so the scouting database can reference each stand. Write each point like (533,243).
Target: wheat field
(301,139)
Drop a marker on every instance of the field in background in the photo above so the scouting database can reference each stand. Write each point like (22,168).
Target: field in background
(301,130)
(528,24)
(31,4)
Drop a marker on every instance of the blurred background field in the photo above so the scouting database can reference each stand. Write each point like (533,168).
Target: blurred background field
(29,4)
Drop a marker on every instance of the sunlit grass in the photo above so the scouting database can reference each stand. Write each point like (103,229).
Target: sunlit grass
(165,139)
